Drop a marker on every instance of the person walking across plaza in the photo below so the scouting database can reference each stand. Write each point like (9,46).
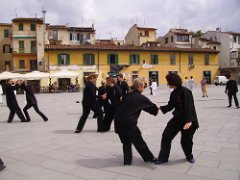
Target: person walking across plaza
(90,102)
(31,101)
(12,101)
(114,97)
(154,87)
(1,93)
(231,90)
(126,120)
(184,120)
(191,83)
(204,87)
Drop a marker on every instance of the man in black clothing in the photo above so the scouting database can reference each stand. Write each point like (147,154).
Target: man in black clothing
(184,119)
(12,101)
(31,101)
(126,120)
(231,90)
(90,102)
(122,84)
(114,97)
(101,91)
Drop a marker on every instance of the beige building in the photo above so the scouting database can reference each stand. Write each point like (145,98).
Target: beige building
(180,38)
(28,44)
(199,42)
(138,36)
(5,47)
(62,34)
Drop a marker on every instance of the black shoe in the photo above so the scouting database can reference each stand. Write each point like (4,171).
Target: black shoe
(191,160)
(203,96)
(228,106)
(25,121)
(158,162)
(2,167)
(9,121)
(238,107)
(77,131)
(127,163)
(45,120)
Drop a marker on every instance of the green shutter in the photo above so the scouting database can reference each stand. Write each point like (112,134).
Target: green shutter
(59,59)
(68,59)
(85,59)
(138,59)
(109,59)
(93,57)
(156,59)
(131,59)
(116,58)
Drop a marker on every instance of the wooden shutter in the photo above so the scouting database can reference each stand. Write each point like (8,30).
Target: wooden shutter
(131,58)
(109,55)
(68,59)
(59,59)
(138,59)
(93,59)
(116,58)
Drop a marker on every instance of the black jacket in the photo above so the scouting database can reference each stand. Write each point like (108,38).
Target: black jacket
(114,95)
(89,94)
(10,96)
(181,100)
(124,87)
(231,87)
(126,117)
(31,99)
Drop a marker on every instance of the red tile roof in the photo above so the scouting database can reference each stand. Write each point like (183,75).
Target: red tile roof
(38,20)
(126,48)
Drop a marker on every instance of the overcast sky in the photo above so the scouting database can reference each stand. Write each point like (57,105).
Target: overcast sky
(113,18)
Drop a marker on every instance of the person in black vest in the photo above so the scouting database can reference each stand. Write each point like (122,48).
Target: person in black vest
(114,97)
(122,84)
(101,91)
(90,102)
(231,90)
(12,101)
(126,120)
(31,101)
(184,119)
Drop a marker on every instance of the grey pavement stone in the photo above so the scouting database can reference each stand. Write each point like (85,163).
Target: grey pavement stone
(51,150)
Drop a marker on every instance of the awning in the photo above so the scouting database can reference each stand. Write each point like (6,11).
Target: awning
(7,75)
(36,75)
(64,74)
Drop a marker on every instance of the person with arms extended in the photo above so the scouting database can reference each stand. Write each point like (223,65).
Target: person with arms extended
(184,119)
(31,101)
(231,90)
(126,119)
(12,101)
(90,102)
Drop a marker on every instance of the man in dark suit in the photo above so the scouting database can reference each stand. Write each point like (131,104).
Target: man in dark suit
(122,84)
(31,101)
(231,90)
(90,102)
(184,119)
(126,120)
(12,101)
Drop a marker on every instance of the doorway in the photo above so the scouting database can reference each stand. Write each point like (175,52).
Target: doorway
(153,76)
(64,84)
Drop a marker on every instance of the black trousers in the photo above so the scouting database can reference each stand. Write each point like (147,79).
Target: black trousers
(15,109)
(35,106)
(140,145)
(109,115)
(86,110)
(168,135)
(234,95)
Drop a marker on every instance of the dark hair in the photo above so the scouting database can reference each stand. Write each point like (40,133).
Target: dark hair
(120,75)
(9,79)
(227,76)
(174,79)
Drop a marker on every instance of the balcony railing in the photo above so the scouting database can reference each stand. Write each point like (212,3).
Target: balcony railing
(21,50)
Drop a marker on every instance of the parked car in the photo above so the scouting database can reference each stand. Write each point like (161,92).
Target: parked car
(220,80)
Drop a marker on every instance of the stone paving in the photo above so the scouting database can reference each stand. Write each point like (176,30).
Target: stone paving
(48,151)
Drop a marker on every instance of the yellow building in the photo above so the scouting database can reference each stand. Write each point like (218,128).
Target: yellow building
(133,62)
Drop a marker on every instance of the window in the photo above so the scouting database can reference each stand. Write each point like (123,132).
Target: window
(134,59)
(147,33)
(206,59)
(190,59)
(88,59)
(174,72)
(33,27)
(33,65)
(172,59)
(6,33)
(63,59)
(215,47)
(134,75)
(21,46)
(234,38)
(33,47)
(6,48)
(182,38)
(172,39)
(154,59)
(21,64)
(238,39)
(112,58)
(166,40)
(20,26)
(7,66)
(55,35)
